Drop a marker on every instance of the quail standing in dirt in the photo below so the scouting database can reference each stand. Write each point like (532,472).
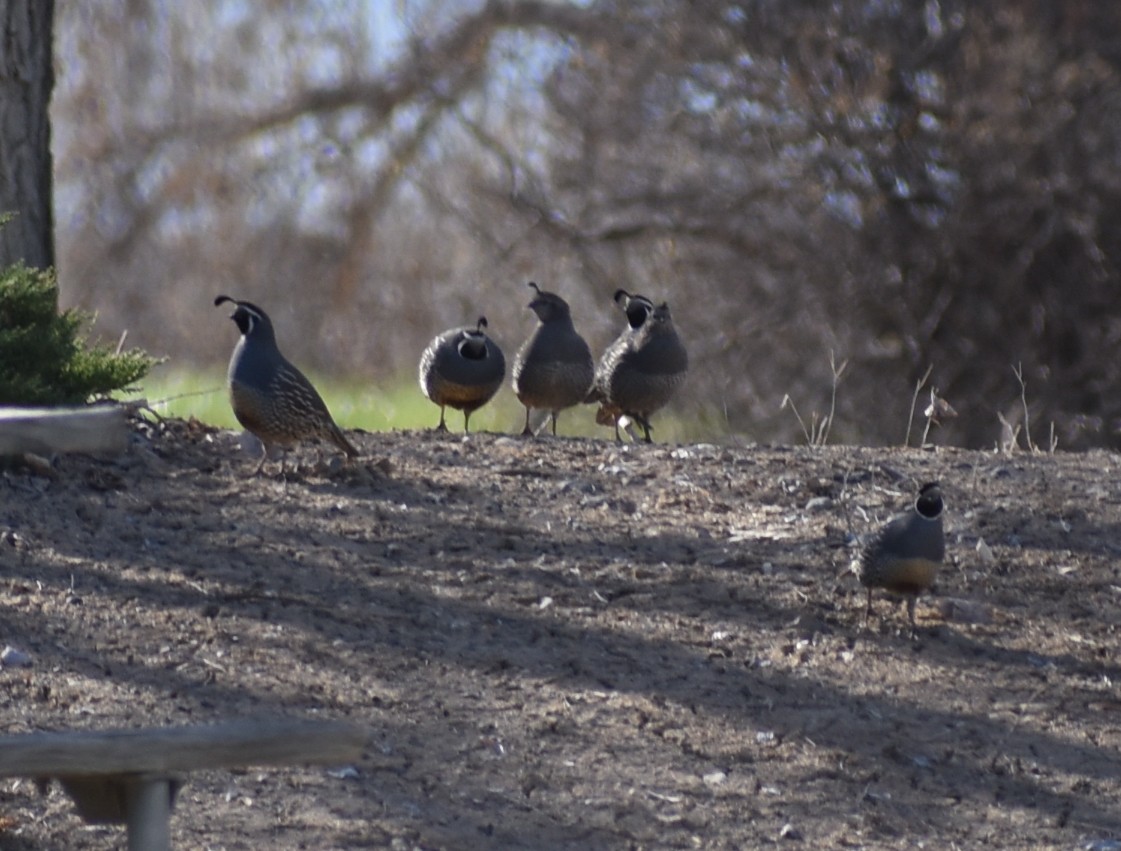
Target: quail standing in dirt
(642,369)
(270,397)
(553,369)
(462,368)
(904,556)
(637,309)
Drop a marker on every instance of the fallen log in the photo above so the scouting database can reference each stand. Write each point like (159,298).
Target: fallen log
(50,431)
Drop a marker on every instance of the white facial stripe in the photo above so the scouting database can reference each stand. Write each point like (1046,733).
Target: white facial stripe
(252,316)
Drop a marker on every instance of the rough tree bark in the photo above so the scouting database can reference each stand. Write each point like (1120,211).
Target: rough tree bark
(26,80)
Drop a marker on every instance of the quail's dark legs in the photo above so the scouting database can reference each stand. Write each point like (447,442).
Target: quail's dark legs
(261,464)
(527,431)
(911,613)
(553,414)
(868,611)
(284,464)
(443,426)
(642,421)
(466,422)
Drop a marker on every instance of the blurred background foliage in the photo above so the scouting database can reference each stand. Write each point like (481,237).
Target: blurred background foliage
(905,185)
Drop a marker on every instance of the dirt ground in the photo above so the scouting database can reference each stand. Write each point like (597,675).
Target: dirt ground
(570,643)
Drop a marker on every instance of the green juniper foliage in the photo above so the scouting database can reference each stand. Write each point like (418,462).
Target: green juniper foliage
(44,359)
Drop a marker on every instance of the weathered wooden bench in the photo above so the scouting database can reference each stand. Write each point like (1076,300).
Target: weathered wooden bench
(132,776)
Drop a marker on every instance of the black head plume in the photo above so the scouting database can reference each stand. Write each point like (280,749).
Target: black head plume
(547,305)
(637,307)
(473,344)
(248,317)
(929,502)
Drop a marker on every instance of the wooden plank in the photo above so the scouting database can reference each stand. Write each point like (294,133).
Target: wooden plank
(47,431)
(149,815)
(236,744)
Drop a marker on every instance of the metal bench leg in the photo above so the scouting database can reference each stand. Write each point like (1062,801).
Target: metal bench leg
(148,810)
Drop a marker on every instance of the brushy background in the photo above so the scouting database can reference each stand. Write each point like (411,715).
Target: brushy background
(896,187)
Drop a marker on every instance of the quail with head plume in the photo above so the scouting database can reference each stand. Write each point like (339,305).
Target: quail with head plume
(637,309)
(462,368)
(904,556)
(553,369)
(642,369)
(271,398)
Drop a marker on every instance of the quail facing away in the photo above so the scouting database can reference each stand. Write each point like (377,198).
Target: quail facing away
(270,397)
(903,557)
(641,370)
(553,369)
(462,368)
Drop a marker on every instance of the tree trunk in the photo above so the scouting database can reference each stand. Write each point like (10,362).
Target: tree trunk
(26,80)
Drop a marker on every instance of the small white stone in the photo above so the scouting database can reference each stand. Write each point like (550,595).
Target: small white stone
(12,657)
(985,552)
(715,778)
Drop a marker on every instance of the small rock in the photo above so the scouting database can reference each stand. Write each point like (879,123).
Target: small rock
(819,503)
(12,657)
(250,444)
(791,833)
(957,610)
(985,552)
(715,778)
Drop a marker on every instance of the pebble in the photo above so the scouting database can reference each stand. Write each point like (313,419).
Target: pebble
(12,657)
(715,778)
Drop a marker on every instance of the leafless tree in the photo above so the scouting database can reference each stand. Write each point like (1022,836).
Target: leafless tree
(902,186)
(26,79)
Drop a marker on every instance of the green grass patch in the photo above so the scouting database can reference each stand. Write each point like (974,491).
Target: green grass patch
(383,407)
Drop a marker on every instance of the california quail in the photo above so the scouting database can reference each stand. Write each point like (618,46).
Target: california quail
(903,557)
(553,369)
(270,397)
(463,368)
(641,370)
(637,309)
